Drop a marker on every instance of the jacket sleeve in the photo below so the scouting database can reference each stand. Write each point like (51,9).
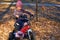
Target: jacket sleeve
(27,12)
(14,13)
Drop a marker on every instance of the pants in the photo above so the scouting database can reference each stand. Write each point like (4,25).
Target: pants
(18,27)
(19,34)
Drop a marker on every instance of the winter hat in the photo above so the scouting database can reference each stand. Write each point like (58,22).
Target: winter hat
(19,3)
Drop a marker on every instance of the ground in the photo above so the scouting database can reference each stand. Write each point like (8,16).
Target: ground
(44,28)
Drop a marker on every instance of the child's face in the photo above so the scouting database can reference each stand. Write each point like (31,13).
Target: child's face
(18,8)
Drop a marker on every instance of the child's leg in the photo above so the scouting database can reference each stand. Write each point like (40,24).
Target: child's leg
(19,34)
(25,23)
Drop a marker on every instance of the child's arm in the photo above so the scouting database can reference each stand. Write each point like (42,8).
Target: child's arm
(27,12)
(15,14)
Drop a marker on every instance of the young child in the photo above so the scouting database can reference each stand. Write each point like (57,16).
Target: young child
(19,10)
(18,13)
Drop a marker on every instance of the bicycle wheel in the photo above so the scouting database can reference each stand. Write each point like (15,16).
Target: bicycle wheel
(31,36)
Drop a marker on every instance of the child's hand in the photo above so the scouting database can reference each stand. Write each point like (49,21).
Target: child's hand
(25,23)
(17,16)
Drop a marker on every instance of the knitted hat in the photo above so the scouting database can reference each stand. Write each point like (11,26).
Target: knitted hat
(19,3)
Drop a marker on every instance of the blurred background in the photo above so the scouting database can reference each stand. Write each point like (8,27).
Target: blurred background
(46,23)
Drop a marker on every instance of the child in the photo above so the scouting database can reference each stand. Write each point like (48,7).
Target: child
(18,11)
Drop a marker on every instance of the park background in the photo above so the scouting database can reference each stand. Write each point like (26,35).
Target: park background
(47,27)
